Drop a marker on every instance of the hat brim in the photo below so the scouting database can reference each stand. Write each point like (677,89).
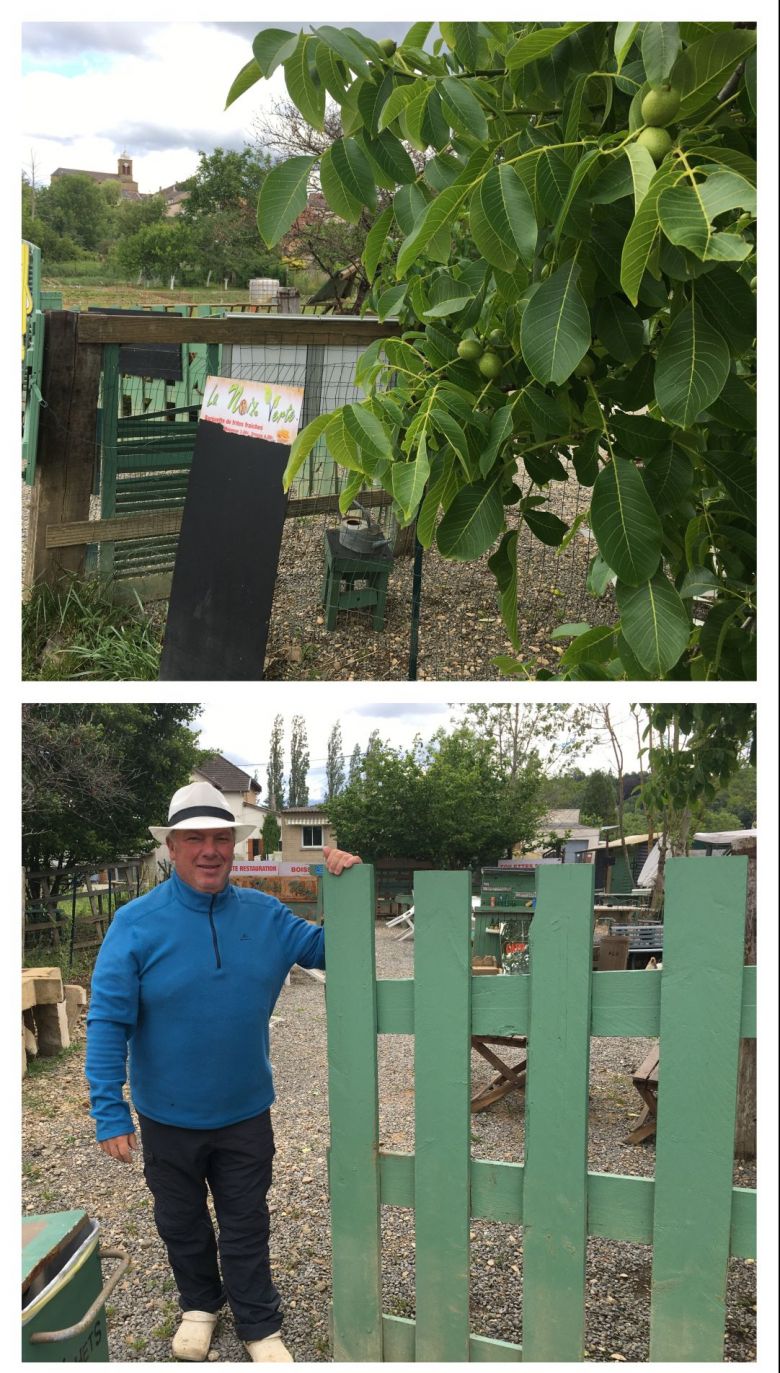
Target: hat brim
(205,822)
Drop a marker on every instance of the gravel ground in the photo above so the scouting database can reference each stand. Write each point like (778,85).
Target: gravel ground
(460,631)
(62,1169)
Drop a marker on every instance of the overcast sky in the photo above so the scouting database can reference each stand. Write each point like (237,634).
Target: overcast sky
(243,734)
(93,90)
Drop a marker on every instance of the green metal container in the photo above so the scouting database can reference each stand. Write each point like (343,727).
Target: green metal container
(63,1296)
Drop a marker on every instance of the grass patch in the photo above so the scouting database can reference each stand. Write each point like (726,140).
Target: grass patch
(49,1063)
(75,631)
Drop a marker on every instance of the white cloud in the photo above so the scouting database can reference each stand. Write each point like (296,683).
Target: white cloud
(170,95)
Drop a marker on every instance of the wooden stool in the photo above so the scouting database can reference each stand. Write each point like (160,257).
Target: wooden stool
(343,569)
(510,1077)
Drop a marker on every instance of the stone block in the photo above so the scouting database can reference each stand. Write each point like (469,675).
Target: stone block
(51,1022)
(41,987)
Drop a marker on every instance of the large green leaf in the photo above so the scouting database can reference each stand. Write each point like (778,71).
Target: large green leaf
(346,47)
(642,170)
(283,197)
(347,183)
(502,219)
(366,431)
(391,157)
(439,215)
(660,47)
(377,239)
(398,101)
(643,233)
(462,108)
(668,478)
(272,47)
(555,330)
(302,446)
(655,623)
(538,44)
(246,78)
(691,369)
(472,523)
(620,328)
(304,84)
(703,68)
(501,425)
(546,527)
(371,99)
(625,33)
(724,295)
(447,297)
(503,565)
(625,525)
(409,478)
(737,471)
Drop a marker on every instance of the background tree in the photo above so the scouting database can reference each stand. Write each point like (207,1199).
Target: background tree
(94,777)
(160,249)
(335,775)
(274,778)
(221,217)
(74,207)
(355,761)
(556,733)
(298,793)
(448,802)
(271,834)
(574,272)
(598,805)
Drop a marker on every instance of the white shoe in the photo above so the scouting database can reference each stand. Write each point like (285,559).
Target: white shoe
(193,1337)
(269,1350)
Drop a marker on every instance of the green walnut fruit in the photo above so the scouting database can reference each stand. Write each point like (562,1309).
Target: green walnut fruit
(497,337)
(585,367)
(490,365)
(657,141)
(753,283)
(660,106)
(388,46)
(470,349)
(546,270)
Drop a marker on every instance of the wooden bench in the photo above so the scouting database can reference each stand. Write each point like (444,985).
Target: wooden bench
(645,1080)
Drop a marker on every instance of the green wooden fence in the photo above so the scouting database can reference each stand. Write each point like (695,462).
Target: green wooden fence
(700,1005)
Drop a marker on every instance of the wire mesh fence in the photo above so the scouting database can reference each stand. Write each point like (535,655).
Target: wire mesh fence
(409,614)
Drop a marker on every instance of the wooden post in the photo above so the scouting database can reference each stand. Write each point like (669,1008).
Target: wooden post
(66,447)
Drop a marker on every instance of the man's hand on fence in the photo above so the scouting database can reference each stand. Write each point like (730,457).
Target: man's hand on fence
(337,861)
(121,1147)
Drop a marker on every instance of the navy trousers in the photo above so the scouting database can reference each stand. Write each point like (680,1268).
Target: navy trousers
(234,1163)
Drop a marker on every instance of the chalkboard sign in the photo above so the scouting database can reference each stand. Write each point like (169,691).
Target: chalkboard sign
(223,580)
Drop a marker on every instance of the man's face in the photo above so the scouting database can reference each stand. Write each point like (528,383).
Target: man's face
(202,857)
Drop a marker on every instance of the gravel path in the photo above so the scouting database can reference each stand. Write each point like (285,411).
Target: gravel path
(63,1169)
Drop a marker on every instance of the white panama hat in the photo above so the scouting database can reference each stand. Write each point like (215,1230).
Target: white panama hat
(199,806)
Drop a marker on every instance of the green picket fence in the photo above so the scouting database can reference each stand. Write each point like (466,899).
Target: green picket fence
(700,1005)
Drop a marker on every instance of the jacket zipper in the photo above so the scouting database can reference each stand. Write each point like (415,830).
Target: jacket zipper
(214,933)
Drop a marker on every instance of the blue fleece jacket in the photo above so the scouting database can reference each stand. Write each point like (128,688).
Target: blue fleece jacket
(188,981)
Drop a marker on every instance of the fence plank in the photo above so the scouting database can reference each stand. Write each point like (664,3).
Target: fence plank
(619,1208)
(624,1004)
(556,1137)
(352,1088)
(442,1070)
(319,330)
(701,989)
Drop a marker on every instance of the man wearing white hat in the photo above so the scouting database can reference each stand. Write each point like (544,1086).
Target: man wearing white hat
(187,977)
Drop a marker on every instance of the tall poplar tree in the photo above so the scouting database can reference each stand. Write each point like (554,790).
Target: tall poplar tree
(335,776)
(299,764)
(275,773)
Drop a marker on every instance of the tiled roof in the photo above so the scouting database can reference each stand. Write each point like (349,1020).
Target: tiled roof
(225,775)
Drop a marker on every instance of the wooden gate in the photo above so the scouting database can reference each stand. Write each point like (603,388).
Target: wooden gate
(700,1005)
